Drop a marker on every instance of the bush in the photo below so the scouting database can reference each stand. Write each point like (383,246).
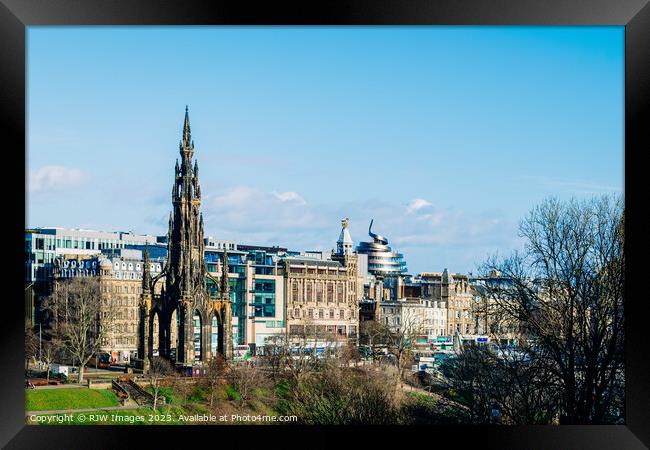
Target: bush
(341,395)
(198,394)
(167,393)
(423,409)
(232,393)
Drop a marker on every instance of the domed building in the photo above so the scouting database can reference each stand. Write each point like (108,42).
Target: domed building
(382,260)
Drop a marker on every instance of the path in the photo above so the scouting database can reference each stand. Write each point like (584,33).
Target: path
(68,411)
(62,386)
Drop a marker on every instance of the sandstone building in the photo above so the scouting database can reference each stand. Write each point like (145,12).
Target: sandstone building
(322,296)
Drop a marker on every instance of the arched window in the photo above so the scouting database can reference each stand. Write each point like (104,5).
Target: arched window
(196,320)
(214,335)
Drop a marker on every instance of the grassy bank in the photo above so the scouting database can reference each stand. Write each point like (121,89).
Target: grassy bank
(75,398)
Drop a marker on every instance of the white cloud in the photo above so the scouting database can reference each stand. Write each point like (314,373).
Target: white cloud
(51,178)
(289,197)
(416,205)
(429,237)
(244,208)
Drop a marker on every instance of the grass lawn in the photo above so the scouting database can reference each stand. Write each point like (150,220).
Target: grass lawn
(75,398)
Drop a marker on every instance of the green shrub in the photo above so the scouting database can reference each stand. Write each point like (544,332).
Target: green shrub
(232,393)
(282,389)
(199,394)
(167,393)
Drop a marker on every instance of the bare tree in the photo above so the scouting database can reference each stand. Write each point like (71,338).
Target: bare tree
(349,354)
(404,335)
(375,335)
(31,344)
(51,351)
(246,379)
(159,369)
(217,370)
(504,379)
(276,356)
(566,293)
(300,350)
(81,318)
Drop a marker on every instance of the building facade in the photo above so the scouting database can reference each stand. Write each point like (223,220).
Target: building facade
(120,285)
(456,292)
(44,245)
(322,296)
(424,320)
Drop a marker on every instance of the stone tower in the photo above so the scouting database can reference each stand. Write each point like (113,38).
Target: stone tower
(345,255)
(184,301)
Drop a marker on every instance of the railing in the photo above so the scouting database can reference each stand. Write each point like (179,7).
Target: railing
(135,392)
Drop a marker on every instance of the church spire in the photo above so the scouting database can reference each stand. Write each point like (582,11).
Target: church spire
(187,134)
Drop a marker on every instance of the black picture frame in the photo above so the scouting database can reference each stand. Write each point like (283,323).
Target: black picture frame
(16,15)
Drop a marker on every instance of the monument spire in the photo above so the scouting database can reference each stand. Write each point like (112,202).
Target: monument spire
(146,276)
(187,133)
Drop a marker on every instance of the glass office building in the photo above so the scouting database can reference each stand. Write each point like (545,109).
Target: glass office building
(382,260)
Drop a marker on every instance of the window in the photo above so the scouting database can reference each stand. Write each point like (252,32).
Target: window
(310,313)
(309,292)
(340,330)
(339,292)
(296,313)
(264,301)
(319,292)
(342,314)
(330,293)
(295,293)
(331,313)
(321,314)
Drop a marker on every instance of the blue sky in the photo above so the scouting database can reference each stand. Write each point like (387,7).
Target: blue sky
(446,136)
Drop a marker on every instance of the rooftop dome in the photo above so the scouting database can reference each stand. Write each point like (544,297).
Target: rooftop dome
(382,260)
